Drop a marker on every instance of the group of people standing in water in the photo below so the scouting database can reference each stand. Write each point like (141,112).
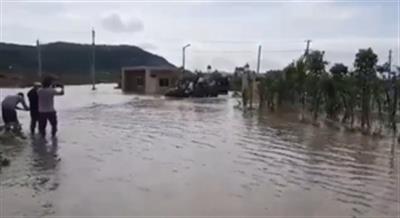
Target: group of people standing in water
(41,107)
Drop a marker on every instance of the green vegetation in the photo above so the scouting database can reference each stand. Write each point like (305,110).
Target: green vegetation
(368,94)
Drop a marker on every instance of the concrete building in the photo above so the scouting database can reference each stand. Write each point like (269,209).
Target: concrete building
(149,80)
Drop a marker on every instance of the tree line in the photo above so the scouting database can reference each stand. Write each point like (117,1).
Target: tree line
(361,97)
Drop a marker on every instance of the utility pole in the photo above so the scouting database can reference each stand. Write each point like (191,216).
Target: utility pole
(258,59)
(390,61)
(395,93)
(308,41)
(253,78)
(39,56)
(183,56)
(93,68)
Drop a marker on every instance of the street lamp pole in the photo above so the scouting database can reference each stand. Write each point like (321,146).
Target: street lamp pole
(183,56)
(93,68)
(39,56)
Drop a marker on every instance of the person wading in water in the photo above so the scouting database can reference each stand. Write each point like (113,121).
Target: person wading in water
(9,108)
(34,106)
(46,108)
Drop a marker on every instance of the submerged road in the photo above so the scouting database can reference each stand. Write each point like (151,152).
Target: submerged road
(128,155)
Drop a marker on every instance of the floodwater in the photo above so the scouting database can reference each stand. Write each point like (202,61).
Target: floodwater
(129,155)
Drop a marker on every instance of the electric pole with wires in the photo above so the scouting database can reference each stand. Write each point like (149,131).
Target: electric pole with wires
(39,57)
(93,67)
(258,59)
(308,41)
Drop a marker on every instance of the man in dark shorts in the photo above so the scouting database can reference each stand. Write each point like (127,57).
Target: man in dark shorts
(47,112)
(9,113)
(34,106)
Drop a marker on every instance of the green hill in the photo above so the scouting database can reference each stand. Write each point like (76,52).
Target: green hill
(72,61)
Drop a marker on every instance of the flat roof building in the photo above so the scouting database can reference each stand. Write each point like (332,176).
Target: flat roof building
(149,80)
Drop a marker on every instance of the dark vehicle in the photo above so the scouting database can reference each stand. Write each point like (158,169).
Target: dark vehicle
(223,85)
(200,87)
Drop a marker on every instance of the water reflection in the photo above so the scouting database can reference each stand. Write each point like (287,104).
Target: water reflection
(45,157)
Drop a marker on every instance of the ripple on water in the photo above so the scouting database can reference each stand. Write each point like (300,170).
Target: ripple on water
(333,167)
(207,137)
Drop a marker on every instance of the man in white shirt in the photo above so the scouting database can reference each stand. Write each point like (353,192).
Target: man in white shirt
(8,110)
(46,108)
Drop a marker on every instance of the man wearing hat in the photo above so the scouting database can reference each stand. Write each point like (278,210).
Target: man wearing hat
(34,105)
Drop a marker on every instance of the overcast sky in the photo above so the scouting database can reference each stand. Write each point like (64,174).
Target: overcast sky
(222,34)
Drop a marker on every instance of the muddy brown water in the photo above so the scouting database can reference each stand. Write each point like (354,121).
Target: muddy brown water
(128,155)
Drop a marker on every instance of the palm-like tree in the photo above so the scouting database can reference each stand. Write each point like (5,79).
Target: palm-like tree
(365,72)
(335,92)
(316,70)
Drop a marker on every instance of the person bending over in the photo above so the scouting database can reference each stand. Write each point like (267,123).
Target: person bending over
(9,108)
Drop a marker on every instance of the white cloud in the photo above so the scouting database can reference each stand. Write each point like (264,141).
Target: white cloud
(114,23)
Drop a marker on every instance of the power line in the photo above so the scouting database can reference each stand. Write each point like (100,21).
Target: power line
(222,51)
(289,50)
(226,42)
(244,51)
(211,41)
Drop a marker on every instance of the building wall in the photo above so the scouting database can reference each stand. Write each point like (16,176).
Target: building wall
(131,81)
(153,84)
(152,77)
